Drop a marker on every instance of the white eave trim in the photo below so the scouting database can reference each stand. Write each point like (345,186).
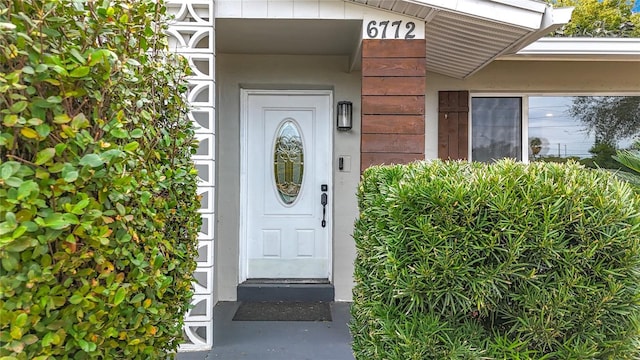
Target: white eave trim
(534,5)
(593,49)
(522,13)
(552,20)
(465,5)
(555,17)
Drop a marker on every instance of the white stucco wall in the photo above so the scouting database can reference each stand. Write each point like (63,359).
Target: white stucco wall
(331,72)
(531,77)
(235,71)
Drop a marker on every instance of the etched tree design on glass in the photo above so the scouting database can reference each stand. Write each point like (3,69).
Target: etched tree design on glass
(288,161)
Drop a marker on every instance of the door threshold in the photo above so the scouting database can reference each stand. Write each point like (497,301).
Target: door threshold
(280,290)
(285,281)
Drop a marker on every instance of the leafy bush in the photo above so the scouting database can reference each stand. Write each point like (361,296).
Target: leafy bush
(600,18)
(98,203)
(496,261)
(631,160)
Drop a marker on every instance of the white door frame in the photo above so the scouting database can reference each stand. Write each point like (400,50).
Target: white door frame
(244,160)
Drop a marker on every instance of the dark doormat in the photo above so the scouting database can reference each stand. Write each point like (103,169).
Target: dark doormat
(283,311)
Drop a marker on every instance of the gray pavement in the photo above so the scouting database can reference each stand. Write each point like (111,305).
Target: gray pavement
(277,340)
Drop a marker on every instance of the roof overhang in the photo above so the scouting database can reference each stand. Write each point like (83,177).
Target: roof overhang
(463,36)
(580,49)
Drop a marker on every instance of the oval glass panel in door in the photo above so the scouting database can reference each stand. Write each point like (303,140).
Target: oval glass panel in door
(288,161)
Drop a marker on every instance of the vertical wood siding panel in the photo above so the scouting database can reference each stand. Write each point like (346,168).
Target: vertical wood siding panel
(393,101)
(443,139)
(452,135)
(453,101)
(463,101)
(306,9)
(280,8)
(254,9)
(463,135)
(331,9)
(229,8)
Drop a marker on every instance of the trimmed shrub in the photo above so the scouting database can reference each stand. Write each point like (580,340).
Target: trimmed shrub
(631,159)
(461,260)
(98,202)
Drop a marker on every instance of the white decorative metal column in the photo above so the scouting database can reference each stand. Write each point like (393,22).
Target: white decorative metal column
(192,35)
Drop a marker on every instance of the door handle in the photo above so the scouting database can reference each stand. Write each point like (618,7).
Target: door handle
(324,199)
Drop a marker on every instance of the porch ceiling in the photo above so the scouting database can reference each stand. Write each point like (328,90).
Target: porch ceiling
(287,36)
(465,35)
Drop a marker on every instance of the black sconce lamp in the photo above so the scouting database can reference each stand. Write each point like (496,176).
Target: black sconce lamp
(345,115)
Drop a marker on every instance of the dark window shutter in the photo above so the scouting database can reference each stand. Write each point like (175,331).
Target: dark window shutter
(453,125)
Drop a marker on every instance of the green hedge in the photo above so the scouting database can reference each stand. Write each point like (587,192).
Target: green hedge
(503,261)
(98,202)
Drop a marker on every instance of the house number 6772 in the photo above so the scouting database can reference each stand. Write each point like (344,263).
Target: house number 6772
(391,29)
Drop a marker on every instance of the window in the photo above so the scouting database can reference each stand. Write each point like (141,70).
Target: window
(587,129)
(496,131)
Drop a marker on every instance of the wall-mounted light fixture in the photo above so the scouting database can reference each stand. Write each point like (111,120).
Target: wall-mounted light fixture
(345,115)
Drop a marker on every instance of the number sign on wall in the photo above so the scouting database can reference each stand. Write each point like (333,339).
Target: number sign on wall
(392,28)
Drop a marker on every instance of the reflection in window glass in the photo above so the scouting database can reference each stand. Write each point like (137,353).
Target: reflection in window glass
(587,129)
(496,128)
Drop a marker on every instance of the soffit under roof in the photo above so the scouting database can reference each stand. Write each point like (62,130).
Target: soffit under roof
(462,36)
(465,35)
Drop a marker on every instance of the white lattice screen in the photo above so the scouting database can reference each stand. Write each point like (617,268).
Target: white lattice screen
(192,35)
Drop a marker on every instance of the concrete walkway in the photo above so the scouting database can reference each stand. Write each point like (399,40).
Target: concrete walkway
(277,340)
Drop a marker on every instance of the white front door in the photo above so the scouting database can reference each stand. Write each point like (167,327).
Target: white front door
(286,170)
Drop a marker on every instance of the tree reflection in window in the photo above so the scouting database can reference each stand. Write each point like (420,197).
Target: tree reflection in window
(586,129)
(288,161)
